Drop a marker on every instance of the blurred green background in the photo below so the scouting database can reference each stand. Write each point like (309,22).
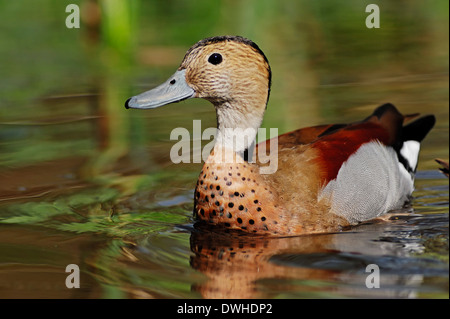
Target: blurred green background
(327,66)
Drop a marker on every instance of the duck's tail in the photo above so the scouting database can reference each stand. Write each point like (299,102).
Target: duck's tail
(412,135)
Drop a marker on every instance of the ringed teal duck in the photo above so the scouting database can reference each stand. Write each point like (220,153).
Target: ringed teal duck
(328,176)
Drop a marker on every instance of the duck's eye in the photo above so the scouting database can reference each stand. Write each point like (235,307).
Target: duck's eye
(215,58)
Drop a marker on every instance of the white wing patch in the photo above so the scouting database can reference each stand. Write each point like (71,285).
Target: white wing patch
(369,184)
(410,151)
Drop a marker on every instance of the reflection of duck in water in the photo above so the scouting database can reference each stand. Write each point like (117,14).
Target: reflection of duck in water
(239,265)
(234,263)
(327,176)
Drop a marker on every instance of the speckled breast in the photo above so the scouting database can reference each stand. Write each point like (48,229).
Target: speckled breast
(234,195)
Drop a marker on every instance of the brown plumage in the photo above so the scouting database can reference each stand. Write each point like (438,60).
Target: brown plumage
(327,176)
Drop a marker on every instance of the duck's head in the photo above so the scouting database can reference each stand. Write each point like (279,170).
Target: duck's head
(229,71)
